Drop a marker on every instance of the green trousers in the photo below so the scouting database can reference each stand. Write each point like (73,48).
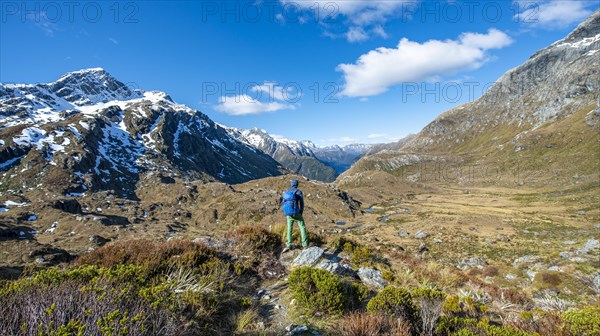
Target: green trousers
(290,221)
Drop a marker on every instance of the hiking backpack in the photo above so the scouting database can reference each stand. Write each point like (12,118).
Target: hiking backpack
(290,203)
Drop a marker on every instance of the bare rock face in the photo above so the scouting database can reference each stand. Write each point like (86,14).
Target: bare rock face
(371,277)
(309,256)
(336,268)
(563,74)
(557,88)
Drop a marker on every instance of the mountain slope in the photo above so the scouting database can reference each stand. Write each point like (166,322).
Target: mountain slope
(293,155)
(341,158)
(88,131)
(537,124)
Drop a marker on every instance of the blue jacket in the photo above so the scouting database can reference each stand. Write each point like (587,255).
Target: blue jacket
(299,197)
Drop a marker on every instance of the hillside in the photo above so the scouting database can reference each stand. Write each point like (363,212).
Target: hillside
(296,156)
(544,113)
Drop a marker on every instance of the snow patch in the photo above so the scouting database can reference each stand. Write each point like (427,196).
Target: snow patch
(148,141)
(75,131)
(84,124)
(29,136)
(181,128)
(581,43)
(118,147)
(10,203)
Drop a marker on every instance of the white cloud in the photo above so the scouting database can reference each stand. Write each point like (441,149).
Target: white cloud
(113,40)
(269,97)
(552,14)
(42,21)
(376,71)
(356,34)
(357,14)
(379,31)
(275,92)
(377,135)
(245,105)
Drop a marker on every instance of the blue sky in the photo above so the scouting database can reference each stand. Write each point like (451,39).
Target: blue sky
(334,72)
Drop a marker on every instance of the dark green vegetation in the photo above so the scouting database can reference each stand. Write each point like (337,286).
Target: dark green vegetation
(141,288)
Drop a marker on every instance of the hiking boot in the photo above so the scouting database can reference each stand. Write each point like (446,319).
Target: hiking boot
(286,249)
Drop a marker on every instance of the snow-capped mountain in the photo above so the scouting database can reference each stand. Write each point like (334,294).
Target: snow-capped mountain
(89,131)
(341,158)
(296,156)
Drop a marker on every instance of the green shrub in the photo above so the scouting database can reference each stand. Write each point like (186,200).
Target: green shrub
(464,332)
(451,305)
(317,290)
(470,327)
(451,325)
(129,288)
(393,301)
(359,255)
(584,322)
(492,330)
(388,276)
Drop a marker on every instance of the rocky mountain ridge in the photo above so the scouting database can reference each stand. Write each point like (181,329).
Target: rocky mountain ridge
(89,131)
(543,113)
(341,158)
(303,157)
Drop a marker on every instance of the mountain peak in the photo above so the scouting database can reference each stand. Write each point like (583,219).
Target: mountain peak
(91,86)
(588,28)
(98,72)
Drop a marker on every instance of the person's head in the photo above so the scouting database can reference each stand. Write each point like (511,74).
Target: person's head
(294,183)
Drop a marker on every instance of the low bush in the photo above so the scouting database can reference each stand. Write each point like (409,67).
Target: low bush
(359,255)
(363,324)
(130,288)
(461,326)
(317,290)
(256,249)
(154,258)
(393,301)
(450,325)
(584,322)
(54,303)
(451,305)
(253,239)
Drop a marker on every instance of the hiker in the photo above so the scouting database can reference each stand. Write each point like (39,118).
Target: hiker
(293,206)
